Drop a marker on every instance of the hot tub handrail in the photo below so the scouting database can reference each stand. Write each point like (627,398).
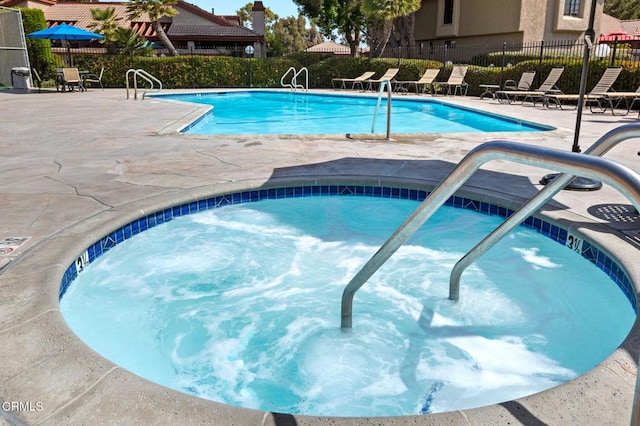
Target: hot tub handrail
(599,148)
(620,177)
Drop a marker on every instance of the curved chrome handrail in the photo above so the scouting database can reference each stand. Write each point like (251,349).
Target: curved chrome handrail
(620,177)
(305,87)
(599,148)
(282,83)
(146,76)
(294,80)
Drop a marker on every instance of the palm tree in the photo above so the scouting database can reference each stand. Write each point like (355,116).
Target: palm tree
(155,9)
(106,24)
(129,42)
(384,12)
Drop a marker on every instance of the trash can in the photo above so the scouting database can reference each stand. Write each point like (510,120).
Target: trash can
(20,78)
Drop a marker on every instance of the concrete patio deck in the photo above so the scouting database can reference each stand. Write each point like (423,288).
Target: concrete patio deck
(75,165)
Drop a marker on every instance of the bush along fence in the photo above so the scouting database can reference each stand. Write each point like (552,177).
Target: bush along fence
(487,64)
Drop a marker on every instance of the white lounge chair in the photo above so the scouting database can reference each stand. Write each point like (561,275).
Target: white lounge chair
(425,81)
(615,98)
(524,84)
(596,96)
(456,81)
(547,86)
(389,75)
(354,81)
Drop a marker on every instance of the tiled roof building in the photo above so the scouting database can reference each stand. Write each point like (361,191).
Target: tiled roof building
(192,29)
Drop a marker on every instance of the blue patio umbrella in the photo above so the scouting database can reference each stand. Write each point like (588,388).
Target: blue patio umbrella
(65,32)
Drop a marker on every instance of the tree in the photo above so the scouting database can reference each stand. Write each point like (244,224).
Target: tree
(289,35)
(342,16)
(40,56)
(155,9)
(313,35)
(382,14)
(131,43)
(283,35)
(622,9)
(106,23)
(244,13)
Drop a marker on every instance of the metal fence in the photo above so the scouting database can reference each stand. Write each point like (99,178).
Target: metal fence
(481,55)
(510,59)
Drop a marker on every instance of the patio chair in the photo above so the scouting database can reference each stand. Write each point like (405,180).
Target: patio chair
(71,79)
(455,81)
(389,75)
(547,86)
(93,78)
(354,81)
(425,81)
(613,99)
(596,96)
(525,82)
(39,81)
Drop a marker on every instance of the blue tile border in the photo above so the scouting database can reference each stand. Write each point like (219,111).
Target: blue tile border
(109,241)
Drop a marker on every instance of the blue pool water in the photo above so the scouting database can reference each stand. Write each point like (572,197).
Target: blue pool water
(264,112)
(241,304)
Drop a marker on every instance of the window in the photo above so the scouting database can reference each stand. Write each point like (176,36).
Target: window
(448,12)
(572,7)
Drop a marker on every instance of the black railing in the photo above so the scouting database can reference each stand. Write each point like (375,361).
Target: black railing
(489,63)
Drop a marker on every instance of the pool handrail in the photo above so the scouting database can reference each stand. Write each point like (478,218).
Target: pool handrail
(305,87)
(599,148)
(383,83)
(282,83)
(294,80)
(146,76)
(620,177)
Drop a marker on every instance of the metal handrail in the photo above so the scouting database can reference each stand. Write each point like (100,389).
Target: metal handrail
(146,76)
(294,80)
(306,81)
(620,177)
(383,83)
(599,148)
(282,83)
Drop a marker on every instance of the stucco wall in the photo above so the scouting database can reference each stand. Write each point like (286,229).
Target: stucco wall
(187,18)
(483,20)
(426,20)
(489,17)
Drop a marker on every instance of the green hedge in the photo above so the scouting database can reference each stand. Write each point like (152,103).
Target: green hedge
(40,56)
(221,71)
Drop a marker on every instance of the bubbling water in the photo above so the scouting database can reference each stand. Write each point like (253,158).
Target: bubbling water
(242,305)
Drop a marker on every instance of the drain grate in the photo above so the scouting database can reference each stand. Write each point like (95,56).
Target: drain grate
(618,213)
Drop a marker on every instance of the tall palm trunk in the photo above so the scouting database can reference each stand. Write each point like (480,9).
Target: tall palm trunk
(164,39)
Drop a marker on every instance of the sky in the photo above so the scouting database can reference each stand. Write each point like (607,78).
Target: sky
(282,8)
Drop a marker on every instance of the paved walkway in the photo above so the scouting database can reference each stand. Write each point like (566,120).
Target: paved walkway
(75,164)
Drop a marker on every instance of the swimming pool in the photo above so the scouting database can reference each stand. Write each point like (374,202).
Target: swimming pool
(451,325)
(281,113)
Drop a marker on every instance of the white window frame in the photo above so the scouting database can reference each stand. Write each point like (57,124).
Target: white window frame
(573,8)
